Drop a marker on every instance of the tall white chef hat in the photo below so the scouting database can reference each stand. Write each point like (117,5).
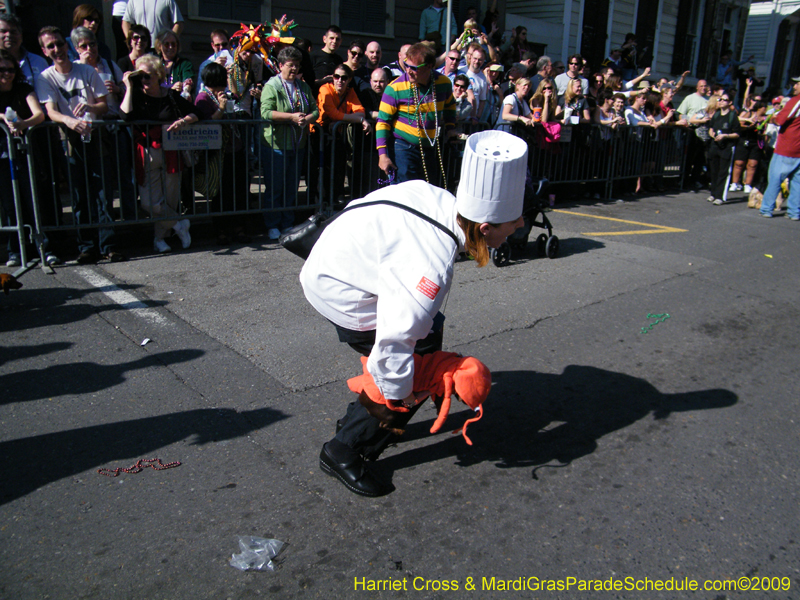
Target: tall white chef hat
(493,173)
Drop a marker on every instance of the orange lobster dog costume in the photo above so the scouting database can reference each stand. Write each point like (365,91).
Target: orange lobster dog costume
(439,374)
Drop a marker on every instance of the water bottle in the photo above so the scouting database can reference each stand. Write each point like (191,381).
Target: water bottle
(186,93)
(11,115)
(87,118)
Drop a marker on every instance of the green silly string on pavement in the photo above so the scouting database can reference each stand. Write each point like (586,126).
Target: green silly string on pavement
(658,319)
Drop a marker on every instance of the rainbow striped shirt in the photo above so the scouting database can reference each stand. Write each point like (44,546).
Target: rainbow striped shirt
(398,112)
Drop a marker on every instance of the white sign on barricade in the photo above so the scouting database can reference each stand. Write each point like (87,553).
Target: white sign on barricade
(193,137)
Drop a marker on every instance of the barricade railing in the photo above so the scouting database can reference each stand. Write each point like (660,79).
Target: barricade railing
(588,152)
(584,153)
(350,161)
(15,186)
(247,167)
(211,169)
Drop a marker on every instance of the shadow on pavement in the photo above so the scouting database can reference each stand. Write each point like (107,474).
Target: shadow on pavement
(567,247)
(11,353)
(31,307)
(30,463)
(533,419)
(77,378)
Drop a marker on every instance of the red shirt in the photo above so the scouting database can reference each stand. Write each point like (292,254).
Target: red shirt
(788,143)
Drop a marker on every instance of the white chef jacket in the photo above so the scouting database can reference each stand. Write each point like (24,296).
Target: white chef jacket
(385,269)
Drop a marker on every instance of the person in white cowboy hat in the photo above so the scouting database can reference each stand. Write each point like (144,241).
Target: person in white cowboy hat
(380,274)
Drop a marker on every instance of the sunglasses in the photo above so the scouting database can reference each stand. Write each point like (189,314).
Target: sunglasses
(138,38)
(460,86)
(548,88)
(453,57)
(724,100)
(7,71)
(414,68)
(55,45)
(337,77)
(356,54)
(223,45)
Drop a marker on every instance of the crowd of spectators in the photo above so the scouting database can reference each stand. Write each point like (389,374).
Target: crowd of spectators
(404,112)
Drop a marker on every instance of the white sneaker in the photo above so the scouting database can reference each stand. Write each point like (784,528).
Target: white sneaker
(160,245)
(274,234)
(719,202)
(748,188)
(13,260)
(181,229)
(710,198)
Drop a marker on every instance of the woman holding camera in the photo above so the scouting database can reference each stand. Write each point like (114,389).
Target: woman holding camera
(157,170)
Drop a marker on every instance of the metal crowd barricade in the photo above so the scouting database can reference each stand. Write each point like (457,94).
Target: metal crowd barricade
(15,204)
(94,184)
(588,152)
(350,161)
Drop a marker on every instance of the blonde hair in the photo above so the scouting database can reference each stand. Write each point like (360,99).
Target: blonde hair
(538,96)
(570,94)
(475,241)
(154,63)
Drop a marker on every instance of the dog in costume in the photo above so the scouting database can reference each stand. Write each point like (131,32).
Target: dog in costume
(441,375)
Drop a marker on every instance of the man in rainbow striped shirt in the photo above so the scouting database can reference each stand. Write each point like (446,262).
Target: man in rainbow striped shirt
(417,108)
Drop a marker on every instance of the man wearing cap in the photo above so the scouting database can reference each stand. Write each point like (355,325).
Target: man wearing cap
(494,96)
(381,274)
(785,162)
(417,109)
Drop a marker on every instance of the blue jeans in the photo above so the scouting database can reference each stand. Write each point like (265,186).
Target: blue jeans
(90,204)
(281,177)
(409,162)
(780,168)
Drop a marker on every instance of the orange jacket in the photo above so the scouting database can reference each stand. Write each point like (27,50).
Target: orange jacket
(331,107)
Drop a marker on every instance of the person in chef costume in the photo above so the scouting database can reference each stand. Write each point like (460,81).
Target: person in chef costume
(380,274)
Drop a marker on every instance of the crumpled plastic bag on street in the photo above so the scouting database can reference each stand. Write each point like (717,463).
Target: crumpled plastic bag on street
(256,553)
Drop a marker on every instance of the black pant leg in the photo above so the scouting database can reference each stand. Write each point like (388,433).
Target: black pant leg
(361,431)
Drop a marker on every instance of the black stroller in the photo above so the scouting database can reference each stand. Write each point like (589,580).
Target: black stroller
(534,205)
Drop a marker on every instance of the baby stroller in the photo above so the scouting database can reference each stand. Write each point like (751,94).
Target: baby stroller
(534,205)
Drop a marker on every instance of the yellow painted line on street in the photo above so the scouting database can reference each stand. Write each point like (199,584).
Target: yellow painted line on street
(652,228)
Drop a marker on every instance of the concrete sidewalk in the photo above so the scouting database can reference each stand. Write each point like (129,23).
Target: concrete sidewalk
(604,452)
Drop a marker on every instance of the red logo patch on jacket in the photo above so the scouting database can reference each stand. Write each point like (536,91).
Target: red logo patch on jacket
(428,288)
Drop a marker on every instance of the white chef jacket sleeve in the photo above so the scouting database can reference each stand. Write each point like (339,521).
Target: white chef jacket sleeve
(407,303)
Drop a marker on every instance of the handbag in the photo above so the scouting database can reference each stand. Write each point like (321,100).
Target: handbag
(301,238)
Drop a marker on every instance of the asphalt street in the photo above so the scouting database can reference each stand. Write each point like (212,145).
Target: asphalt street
(620,449)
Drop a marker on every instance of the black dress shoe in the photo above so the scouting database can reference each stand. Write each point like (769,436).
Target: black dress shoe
(116,257)
(354,475)
(88,258)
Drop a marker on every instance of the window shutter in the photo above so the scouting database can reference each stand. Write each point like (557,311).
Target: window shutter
(245,11)
(365,16)
(684,40)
